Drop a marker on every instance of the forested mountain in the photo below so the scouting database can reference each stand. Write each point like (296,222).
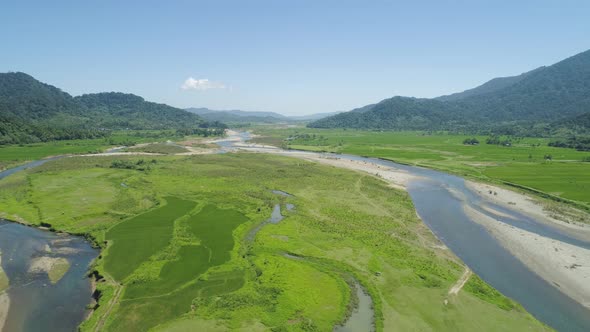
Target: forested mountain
(24,97)
(519,104)
(31,111)
(394,113)
(121,110)
(492,85)
(576,124)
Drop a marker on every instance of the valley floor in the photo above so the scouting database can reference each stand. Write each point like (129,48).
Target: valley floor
(191,275)
(522,165)
(562,264)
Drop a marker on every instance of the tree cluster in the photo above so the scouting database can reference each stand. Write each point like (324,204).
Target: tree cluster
(471,141)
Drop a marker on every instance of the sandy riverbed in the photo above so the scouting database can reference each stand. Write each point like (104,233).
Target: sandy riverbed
(564,265)
(533,207)
(396,178)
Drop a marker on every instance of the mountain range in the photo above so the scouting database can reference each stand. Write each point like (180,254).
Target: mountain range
(544,101)
(536,102)
(239,117)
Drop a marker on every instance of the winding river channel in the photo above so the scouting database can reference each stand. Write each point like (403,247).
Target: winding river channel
(440,201)
(443,212)
(439,198)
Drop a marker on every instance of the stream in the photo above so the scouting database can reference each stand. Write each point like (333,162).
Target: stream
(362,316)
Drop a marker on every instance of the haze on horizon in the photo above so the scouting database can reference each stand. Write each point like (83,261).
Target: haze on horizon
(298,58)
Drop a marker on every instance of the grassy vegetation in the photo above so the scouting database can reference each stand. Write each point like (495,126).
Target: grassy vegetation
(58,270)
(566,175)
(12,155)
(4,282)
(136,239)
(186,263)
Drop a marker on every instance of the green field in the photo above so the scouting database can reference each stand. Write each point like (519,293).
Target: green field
(212,228)
(178,257)
(12,155)
(566,175)
(135,240)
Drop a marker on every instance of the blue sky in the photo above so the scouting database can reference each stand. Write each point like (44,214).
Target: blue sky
(291,57)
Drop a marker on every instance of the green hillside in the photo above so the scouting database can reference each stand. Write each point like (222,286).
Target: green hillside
(514,105)
(121,110)
(32,111)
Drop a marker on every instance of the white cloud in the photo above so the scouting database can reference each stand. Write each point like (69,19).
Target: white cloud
(201,84)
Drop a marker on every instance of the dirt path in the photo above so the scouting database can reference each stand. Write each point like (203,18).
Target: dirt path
(113,302)
(461,282)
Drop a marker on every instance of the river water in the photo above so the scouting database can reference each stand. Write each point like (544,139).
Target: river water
(440,198)
(36,304)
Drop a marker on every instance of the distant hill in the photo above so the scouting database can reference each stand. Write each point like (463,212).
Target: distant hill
(237,116)
(121,110)
(32,111)
(396,113)
(518,104)
(203,110)
(312,117)
(24,97)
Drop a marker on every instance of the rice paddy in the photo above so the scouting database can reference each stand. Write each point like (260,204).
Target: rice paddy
(137,239)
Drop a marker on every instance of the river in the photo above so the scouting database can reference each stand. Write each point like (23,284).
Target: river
(35,302)
(440,199)
(62,305)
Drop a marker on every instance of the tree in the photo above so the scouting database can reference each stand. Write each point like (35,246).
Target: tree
(471,141)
